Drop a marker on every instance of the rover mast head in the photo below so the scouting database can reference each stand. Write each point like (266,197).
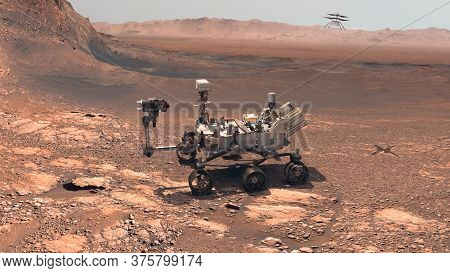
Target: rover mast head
(272,100)
(203,88)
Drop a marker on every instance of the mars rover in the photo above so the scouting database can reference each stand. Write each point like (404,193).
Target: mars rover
(263,135)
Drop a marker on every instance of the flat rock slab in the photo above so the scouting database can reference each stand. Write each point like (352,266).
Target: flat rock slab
(275,214)
(32,127)
(320,219)
(141,196)
(70,243)
(134,175)
(211,226)
(35,183)
(289,196)
(98,182)
(306,250)
(250,248)
(408,220)
(271,241)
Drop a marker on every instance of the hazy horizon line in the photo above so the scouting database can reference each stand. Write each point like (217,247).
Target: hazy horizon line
(259,20)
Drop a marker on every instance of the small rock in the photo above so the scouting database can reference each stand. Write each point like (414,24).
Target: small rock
(270,241)
(232,206)
(143,235)
(306,250)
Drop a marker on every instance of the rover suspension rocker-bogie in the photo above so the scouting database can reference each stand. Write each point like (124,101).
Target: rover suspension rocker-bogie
(264,135)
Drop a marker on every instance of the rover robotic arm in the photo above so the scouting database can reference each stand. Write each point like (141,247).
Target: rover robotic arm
(150,109)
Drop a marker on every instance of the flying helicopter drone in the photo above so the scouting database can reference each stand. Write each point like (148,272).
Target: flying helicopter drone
(336,21)
(263,135)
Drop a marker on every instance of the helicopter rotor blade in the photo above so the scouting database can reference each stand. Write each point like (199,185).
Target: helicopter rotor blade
(337,15)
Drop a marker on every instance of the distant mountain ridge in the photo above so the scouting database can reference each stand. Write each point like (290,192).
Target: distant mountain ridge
(257,29)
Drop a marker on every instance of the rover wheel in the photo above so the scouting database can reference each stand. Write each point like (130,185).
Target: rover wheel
(200,182)
(297,173)
(287,167)
(254,180)
(184,154)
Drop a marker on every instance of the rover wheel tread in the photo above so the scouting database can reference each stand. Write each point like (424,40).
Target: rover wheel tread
(296,173)
(254,179)
(200,182)
(184,156)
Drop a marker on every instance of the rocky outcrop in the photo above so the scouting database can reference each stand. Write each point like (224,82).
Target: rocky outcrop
(50,19)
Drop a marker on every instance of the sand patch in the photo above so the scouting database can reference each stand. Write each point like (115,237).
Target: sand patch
(67,163)
(70,243)
(147,190)
(275,214)
(111,210)
(76,134)
(105,167)
(30,151)
(427,174)
(31,166)
(35,183)
(90,200)
(114,234)
(136,199)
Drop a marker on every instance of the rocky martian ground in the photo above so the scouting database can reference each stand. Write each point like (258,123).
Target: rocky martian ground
(72,181)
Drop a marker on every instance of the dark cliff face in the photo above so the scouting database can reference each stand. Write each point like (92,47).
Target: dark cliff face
(50,19)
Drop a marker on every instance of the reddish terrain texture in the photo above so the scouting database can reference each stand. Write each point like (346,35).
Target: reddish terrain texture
(72,179)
